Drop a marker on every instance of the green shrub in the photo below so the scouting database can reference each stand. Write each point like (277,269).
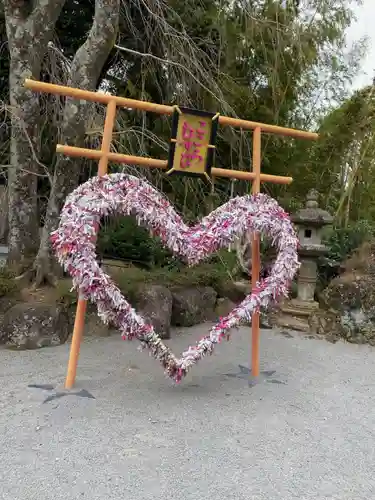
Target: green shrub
(8,284)
(123,239)
(341,243)
(64,293)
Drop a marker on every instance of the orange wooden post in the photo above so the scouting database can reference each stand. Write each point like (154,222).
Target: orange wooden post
(255,255)
(79,322)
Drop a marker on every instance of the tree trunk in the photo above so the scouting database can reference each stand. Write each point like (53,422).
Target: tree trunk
(3,215)
(85,73)
(243,252)
(29,29)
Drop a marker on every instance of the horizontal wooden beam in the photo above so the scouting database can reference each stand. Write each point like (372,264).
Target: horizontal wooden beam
(96,154)
(163,164)
(161,109)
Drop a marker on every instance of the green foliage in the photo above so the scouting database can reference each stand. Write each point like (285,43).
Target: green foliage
(64,293)
(269,62)
(340,164)
(8,284)
(123,239)
(341,243)
(74,24)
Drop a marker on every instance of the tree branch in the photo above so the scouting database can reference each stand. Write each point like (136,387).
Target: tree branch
(32,22)
(17,8)
(169,62)
(91,56)
(47,12)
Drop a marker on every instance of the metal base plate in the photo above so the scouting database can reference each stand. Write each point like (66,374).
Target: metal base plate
(264,376)
(81,393)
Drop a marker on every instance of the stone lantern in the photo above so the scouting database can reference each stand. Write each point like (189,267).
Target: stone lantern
(309,222)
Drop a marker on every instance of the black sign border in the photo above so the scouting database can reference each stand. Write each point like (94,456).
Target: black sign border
(206,175)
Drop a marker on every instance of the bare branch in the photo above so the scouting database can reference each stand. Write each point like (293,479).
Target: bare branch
(91,56)
(169,62)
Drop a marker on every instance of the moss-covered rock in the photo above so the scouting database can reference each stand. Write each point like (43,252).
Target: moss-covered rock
(192,306)
(348,303)
(154,303)
(35,325)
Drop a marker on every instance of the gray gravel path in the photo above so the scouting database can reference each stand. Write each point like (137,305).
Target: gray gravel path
(310,436)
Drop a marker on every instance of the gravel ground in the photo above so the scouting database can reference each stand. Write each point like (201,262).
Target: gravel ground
(305,433)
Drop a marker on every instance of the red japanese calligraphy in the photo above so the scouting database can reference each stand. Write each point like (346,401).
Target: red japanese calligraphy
(191,147)
(200,133)
(187,157)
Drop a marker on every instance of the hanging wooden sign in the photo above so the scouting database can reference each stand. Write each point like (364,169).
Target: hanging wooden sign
(193,142)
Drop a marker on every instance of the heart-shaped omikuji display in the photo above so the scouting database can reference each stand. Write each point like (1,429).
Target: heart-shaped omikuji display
(75,240)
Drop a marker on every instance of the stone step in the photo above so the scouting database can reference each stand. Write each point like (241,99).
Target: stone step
(294,311)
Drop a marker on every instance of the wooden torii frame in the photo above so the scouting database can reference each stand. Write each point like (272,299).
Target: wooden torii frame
(104,155)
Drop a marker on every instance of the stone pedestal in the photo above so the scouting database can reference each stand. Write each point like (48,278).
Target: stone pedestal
(307,280)
(294,315)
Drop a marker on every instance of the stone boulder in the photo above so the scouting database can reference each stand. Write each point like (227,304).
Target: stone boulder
(192,306)
(35,325)
(95,327)
(348,303)
(232,290)
(223,307)
(154,303)
(232,293)
(326,323)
